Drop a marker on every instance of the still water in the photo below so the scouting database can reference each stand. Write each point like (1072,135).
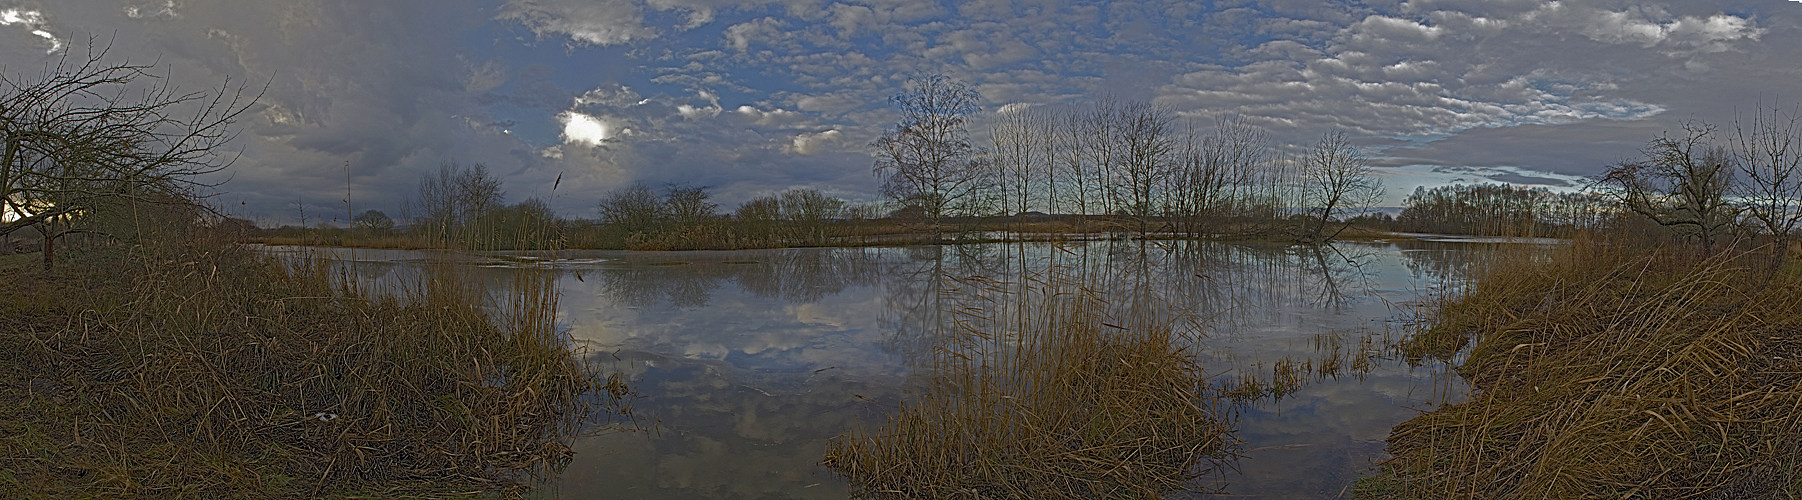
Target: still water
(747,362)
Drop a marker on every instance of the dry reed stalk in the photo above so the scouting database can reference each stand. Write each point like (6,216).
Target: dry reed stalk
(1045,389)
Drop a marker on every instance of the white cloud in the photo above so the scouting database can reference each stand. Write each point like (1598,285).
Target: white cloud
(774,117)
(1648,26)
(610,95)
(604,22)
(710,110)
(164,10)
(740,36)
(807,144)
(34,21)
(1013,107)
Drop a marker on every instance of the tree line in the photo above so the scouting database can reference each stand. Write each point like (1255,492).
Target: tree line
(1702,184)
(1502,210)
(1129,166)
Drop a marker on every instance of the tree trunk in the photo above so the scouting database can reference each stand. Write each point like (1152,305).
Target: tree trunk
(49,252)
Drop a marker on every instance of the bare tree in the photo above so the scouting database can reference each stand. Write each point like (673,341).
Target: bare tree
(373,221)
(481,193)
(1019,155)
(87,133)
(927,160)
(1145,148)
(1097,139)
(1769,152)
(810,211)
(456,197)
(1213,175)
(1241,149)
(687,206)
(1337,183)
(1073,137)
(1681,183)
(758,217)
(634,209)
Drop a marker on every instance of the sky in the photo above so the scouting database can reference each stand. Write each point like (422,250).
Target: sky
(753,97)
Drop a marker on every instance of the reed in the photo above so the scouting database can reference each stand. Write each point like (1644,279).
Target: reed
(200,369)
(1046,389)
(1609,371)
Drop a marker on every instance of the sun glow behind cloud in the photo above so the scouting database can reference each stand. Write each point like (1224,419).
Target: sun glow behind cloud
(578,127)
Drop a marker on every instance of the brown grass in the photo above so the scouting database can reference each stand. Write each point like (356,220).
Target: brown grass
(1046,390)
(1605,372)
(202,370)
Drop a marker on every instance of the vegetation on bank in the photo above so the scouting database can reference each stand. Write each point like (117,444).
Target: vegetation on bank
(1609,371)
(200,369)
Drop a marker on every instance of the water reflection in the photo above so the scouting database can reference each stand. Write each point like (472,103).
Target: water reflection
(748,361)
(688,279)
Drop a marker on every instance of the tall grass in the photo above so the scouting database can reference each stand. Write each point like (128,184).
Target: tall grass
(1614,372)
(1046,389)
(200,369)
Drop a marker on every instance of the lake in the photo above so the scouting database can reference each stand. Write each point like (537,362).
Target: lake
(747,362)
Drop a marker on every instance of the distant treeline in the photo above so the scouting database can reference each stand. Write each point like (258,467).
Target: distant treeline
(1133,161)
(1502,210)
(461,207)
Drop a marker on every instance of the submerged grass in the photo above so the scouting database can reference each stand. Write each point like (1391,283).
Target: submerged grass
(1046,389)
(1606,372)
(203,370)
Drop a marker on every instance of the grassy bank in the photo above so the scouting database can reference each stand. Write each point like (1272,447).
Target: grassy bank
(202,370)
(1607,372)
(1046,390)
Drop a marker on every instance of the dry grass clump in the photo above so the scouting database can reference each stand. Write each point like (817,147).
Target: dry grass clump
(1503,285)
(205,371)
(1656,375)
(1046,391)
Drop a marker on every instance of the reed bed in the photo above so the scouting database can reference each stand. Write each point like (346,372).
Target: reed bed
(203,370)
(1606,372)
(1046,389)
(1334,357)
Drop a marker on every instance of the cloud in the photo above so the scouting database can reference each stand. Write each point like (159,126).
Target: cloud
(33,21)
(710,110)
(1647,26)
(602,23)
(755,96)
(807,144)
(164,10)
(740,36)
